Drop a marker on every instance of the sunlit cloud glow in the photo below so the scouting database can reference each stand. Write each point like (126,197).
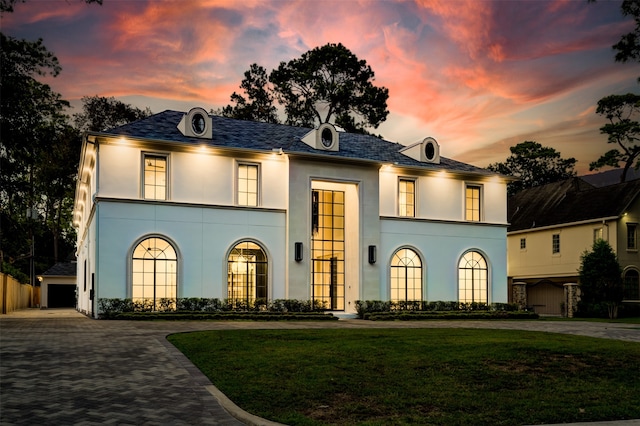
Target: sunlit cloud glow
(479,76)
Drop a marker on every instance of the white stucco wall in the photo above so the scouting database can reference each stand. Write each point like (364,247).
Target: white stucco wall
(202,237)
(441,245)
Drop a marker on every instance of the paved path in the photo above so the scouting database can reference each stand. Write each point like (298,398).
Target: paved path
(58,367)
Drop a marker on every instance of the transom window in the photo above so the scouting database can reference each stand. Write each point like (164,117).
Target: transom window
(632,240)
(407,197)
(472,278)
(248,184)
(154,273)
(406,276)
(473,203)
(155,177)
(247,274)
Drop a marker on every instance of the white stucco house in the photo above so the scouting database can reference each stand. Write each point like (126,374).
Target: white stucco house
(193,205)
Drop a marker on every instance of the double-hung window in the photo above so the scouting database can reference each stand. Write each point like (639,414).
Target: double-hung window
(406,197)
(248,184)
(473,203)
(155,177)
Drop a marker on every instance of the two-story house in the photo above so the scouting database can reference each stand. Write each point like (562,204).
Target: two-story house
(551,226)
(192,205)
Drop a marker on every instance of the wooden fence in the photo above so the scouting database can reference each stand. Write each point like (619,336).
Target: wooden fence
(16,296)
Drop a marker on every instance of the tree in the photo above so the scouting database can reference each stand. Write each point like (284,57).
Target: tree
(623,129)
(600,281)
(628,48)
(258,104)
(100,114)
(34,126)
(534,165)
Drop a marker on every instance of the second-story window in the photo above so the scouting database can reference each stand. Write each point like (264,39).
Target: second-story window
(632,239)
(406,197)
(555,243)
(473,203)
(523,243)
(155,177)
(248,184)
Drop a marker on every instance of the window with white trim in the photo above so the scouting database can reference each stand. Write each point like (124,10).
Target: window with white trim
(406,197)
(155,177)
(473,203)
(248,184)
(632,236)
(555,243)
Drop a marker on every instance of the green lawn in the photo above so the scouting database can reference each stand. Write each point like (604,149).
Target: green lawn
(419,376)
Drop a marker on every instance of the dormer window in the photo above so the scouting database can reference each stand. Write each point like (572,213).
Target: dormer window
(324,138)
(424,151)
(196,123)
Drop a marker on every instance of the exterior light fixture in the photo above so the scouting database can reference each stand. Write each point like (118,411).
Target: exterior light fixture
(372,254)
(298,252)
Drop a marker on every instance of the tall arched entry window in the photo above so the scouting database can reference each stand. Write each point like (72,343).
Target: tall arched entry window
(154,272)
(247,273)
(631,285)
(406,276)
(472,278)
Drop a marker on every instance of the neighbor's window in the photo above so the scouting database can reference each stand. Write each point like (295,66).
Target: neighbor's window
(473,203)
(631,285)
(406,276)
(597,234)
(555,243)
(632,237)
(523,243)
(248,184)
(407,198)
(155,177)
(473,278)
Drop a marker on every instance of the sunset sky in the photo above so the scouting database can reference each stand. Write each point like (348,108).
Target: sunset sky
(478,75)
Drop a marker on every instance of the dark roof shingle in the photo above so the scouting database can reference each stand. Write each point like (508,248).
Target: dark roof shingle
(231,133)
(569,201)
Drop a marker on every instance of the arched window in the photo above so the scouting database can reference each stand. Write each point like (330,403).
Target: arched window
(472,278)
(406,276)
(631,285)
(154,273)
(246,273)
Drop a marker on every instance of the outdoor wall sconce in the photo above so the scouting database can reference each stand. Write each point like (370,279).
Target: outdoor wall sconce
(372,254)
(298,252)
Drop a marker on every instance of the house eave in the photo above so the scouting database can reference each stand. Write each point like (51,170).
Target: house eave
(563,225)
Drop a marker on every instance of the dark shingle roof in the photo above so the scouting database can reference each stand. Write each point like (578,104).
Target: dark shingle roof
(61,269)
(231,133)
(610,177)
(569,201)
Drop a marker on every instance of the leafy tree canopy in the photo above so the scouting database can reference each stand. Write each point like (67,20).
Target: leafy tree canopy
(600,280)
(100,114)
(623,130)
(628,48)
(326,84)
(534,165)
(258,104)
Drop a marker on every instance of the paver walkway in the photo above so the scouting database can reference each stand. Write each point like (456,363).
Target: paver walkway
(58,367)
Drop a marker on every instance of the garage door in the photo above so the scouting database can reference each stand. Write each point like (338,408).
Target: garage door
(61,296)
(546,298)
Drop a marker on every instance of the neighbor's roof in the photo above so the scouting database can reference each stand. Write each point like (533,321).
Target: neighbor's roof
(61,269)
(569,201)
(610,177)
(231,133)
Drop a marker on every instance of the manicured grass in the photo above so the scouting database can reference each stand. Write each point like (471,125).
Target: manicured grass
(419,376)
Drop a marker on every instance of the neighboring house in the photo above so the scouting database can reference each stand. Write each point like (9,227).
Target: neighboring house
(192,205)
(58,286)
(552,225)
